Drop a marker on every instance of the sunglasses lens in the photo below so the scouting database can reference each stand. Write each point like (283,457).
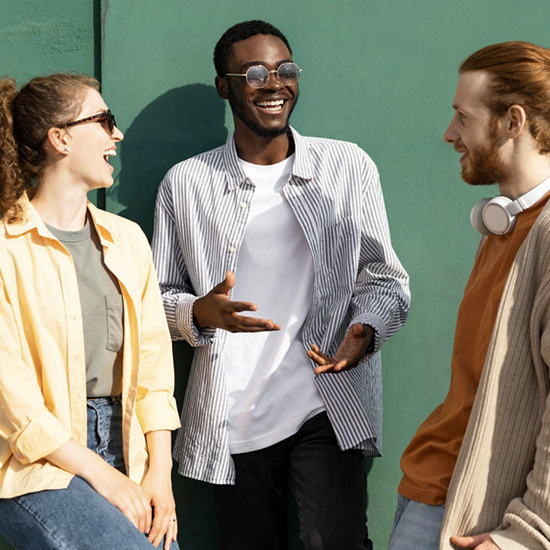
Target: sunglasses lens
(289,73)
(257,76)
(111,122)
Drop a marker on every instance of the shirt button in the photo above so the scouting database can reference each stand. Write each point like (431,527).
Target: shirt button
(243,205)
(231,249)
(18,455)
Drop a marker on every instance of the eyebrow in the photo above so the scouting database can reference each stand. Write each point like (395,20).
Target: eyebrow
(252,63)
(461,109)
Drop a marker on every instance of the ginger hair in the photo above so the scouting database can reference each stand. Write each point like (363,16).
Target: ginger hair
(520,75)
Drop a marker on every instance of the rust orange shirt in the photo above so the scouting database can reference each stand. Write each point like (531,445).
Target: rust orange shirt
(429,460)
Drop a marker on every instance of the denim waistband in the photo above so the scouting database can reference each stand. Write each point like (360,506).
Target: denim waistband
(115,400)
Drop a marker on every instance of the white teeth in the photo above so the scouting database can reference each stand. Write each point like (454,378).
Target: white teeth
(110,153)
(270,104)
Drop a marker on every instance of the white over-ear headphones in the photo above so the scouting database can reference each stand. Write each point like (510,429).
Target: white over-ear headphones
(498,215)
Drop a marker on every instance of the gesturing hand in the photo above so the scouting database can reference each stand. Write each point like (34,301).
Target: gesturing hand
(351,351)
(216,310)
(478,542)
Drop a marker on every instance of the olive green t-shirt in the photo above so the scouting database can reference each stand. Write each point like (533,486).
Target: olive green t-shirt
(102,310)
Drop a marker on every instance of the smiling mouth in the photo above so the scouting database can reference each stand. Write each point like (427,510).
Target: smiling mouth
(108,154)
(272,106)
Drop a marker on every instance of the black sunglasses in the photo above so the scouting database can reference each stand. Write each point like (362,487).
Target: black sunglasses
(106,116)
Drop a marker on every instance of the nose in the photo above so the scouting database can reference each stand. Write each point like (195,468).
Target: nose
(273,82)
(450,135)
(117,135)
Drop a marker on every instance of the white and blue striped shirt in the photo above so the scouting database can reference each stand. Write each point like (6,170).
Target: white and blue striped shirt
(200,220)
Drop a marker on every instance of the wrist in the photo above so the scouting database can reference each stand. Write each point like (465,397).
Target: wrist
(369,331)
(197,312)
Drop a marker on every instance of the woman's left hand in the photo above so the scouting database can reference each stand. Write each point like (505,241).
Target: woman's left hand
(157,487)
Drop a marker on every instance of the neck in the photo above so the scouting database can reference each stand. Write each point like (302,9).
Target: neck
(527,169)
(263,151)
(59,202)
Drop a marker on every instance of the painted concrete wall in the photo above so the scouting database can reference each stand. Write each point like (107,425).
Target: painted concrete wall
(40,37)
(381,74)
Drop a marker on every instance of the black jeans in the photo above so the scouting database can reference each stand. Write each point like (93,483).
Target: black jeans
(329,486)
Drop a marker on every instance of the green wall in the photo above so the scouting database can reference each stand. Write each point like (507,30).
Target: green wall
(379,73)
(40,37)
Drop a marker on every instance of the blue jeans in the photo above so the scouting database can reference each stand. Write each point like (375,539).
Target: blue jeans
(416,526)
(77,518)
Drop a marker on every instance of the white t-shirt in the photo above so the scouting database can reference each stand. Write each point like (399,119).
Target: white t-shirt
(270,381)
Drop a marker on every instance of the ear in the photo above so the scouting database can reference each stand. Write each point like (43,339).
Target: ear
(222,86)
(516,121)
(58,140)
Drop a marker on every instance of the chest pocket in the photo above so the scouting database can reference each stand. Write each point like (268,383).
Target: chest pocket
(114,307)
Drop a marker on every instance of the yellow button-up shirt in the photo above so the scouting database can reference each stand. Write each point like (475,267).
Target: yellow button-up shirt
(42,360)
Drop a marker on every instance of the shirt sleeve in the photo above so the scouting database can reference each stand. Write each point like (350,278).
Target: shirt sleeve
(381,296)
(155,405)
(31,430)
(177,293)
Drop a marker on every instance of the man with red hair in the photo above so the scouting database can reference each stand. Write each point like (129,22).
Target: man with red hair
(477,472)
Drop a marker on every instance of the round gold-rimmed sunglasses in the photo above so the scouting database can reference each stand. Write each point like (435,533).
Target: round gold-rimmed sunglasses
(106,116)
(257,76)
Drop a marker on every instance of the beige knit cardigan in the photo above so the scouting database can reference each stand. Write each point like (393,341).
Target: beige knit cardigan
(501,482)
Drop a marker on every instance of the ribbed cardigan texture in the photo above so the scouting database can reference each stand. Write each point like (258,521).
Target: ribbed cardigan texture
(501,481)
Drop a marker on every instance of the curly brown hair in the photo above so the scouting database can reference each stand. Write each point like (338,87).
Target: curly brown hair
(25,118)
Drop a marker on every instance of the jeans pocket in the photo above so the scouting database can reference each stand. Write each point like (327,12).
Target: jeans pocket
(114,307)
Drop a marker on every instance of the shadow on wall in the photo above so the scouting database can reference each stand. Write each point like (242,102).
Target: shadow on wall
(177,125)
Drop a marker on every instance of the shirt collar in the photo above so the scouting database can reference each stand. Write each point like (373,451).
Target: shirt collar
(301,168)
(31,220)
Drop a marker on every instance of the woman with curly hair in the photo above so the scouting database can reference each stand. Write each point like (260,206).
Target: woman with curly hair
(86,373)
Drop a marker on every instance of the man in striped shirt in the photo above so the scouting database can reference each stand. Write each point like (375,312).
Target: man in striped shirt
(275,261)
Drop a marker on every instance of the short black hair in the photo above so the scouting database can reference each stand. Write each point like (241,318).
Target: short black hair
(238,32)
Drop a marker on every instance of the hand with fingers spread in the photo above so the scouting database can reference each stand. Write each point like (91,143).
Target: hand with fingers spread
(349,354)
(478,542)
(217,310)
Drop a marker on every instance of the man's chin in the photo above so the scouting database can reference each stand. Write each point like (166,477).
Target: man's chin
(270,132)
(475,181)
(265,131)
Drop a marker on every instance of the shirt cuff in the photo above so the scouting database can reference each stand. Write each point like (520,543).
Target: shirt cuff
(186,323)
(43,435)
(379,328)
(157,411)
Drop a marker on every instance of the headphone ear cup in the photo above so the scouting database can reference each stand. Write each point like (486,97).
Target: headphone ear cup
(497,217)
(476,217)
